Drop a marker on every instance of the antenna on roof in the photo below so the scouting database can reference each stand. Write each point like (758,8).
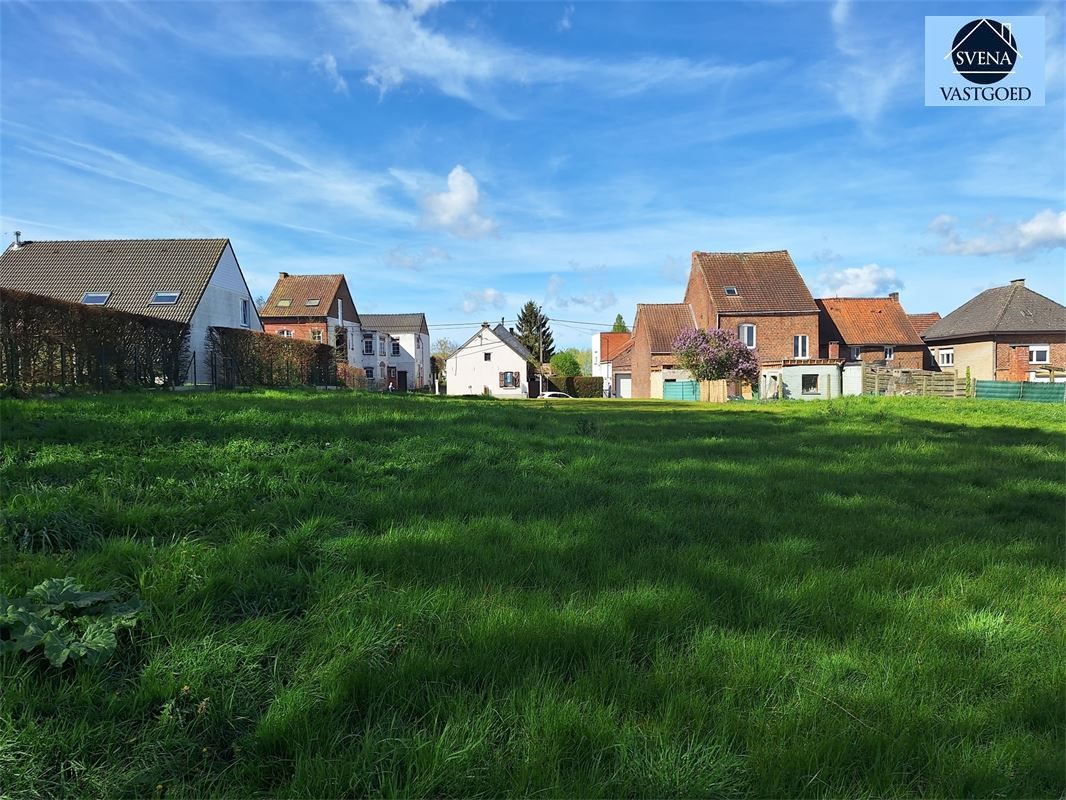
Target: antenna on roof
(18,239)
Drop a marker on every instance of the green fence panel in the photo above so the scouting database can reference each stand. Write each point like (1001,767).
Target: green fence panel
(1016,390)
(681,390)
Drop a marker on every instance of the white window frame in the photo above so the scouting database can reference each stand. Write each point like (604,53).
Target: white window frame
(246,314)
(285,333)
(155,301)
(104,302)
(284,302)
(817,383)
(945,356)
(890,352)
(801,339)
(368,347)
(316,335)
(754,334)
(381,346)
(1034,348)
(312,302)
(856,352)
(731,291)
(395,348)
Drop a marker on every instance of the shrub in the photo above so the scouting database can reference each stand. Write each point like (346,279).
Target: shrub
(51,344)
(249,358)
(352,377)
(565,365)
(64,622)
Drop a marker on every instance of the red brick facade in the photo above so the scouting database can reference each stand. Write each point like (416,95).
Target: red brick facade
(1012,355)
(300,330)
(904,357)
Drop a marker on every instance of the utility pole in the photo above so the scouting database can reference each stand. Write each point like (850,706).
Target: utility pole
(540,342)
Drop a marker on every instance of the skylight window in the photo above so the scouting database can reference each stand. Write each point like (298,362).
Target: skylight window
(285,302)
(96,298)
(731,291)
(164,298)
(312,301)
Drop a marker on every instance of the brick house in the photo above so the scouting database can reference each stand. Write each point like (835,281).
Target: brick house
(651,356)
(318,308)
(759,296)
(874,330)
(921,323)
(1007,333)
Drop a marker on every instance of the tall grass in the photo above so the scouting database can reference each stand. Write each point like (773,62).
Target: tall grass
(402,596)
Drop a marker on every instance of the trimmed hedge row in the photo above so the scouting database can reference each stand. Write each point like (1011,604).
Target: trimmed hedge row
(577,386)
(47,344)
(238,357)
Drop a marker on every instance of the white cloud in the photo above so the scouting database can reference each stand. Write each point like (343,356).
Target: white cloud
(483,298)
(326,65)
(420,7)
(456,210)
(872,280)
(402,258)
(675,269)
(555,297)
(1044,231)
(864,82)
(566,22)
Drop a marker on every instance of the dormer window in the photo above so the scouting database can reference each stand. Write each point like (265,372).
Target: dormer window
(96,298)
(285,302)
(164,298)
(312,301)
(731,291)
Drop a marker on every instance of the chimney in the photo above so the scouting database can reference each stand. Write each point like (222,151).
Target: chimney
(512,331)
(18,239)
(283,274)
(484,324)
(1015,282)
(893,296)
(833,349)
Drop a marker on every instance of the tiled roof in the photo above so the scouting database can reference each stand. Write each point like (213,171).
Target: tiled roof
(132,270)
(395,323)
(922,321)
(511,341)
(611,343)
(298,289)
(865,320)
(767,281)
(1005,309)
(623,357)
(664,321)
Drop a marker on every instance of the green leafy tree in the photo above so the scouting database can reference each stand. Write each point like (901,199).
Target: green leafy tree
(584,358)
(620,325)
(532,329)
(442,348)
(565,365)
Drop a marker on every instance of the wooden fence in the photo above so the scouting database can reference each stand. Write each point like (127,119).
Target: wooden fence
(876,380)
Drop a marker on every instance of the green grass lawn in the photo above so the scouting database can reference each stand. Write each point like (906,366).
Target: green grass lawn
(354,595)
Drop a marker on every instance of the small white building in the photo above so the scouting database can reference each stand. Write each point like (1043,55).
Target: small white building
(195,281)
(493,361)
(409,365)
(801,379)
(605,347)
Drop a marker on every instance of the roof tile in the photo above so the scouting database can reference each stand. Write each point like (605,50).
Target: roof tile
(664,321)
(866,320)
(292,292)
(764,281)
(1014,308)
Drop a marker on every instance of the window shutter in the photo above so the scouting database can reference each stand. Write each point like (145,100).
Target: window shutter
(501,380)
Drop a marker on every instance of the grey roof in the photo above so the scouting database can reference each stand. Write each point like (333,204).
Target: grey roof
(511,341)
(1005,309)
(396,323)
(132,270)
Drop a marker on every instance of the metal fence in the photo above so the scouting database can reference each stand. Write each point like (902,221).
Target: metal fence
(1011,390)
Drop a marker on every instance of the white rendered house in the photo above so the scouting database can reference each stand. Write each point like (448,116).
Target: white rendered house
(491,360)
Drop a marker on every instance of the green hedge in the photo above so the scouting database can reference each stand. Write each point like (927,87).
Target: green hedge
(48,344)
(578,386)
(238,357)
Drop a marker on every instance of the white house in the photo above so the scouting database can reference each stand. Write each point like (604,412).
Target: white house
(605,346)
(408,347)
(195,281)
(491,360)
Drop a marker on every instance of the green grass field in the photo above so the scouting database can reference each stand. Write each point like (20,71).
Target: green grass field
(421,597)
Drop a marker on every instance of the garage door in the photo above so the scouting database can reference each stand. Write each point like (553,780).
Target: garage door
(681,390)
(623,384)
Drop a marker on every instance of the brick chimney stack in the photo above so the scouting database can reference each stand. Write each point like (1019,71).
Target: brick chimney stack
(1018,282)
(893,296)
(833,350)
(283,274)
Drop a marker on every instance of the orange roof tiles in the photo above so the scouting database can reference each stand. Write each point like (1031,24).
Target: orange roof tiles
(866,320)
(763,281)
(664,321)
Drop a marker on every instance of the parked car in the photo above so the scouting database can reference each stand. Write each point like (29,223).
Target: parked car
(556,396)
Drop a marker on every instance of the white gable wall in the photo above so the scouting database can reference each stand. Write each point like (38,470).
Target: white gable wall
(470,373)
(220,306)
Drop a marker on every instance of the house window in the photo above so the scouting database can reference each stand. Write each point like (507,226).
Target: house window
(369,373)
(368,347)
(509,380)
(164,298)
(799,346)
(946,356)
(395,347)
(809,384)
(246,314)
(890,352)
(381,346)
(856,353)
(731,291)
(312,301)
(418,343)
(746,332)
(286,333)
(1039,354)
(488,357)
(284,302)
(96,298)
(316,335)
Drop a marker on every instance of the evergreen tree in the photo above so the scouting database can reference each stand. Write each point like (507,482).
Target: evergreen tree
(532,325)
(620,325)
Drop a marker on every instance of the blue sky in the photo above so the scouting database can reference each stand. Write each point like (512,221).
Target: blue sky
(460,158)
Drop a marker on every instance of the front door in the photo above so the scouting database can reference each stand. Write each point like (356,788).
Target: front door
(401,381)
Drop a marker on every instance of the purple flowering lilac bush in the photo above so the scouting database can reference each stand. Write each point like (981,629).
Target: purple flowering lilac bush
(714,355)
